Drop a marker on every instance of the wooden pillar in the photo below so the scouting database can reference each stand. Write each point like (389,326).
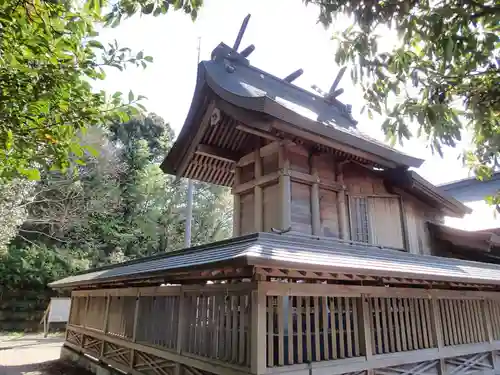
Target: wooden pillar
(366,332)
(285,190)
(236,205)
(105,323)
(87,301)
(315,208)
(404,226)
(180,330)
(258,326)
(342,205)
(437,329)
(258,208)
(134,330)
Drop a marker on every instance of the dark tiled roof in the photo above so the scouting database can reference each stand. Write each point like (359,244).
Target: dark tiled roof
(302,251)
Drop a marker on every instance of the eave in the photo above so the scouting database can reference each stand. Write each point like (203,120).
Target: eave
(306,256)
(416,185)
(472,240)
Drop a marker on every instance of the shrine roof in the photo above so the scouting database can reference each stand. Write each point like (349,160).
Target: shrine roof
(296,252)
(230,78)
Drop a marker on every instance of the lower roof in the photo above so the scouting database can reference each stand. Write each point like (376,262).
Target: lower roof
(296,252)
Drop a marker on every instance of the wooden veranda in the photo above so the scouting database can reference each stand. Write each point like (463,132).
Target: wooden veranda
(317,319)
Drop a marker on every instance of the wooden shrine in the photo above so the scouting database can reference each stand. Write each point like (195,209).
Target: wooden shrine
(332,268)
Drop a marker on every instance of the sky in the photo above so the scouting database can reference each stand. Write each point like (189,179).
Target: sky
(286,36)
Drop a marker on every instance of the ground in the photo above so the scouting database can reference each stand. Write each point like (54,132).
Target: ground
(32,354)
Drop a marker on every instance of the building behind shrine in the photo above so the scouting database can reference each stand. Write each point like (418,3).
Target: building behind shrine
(332,267)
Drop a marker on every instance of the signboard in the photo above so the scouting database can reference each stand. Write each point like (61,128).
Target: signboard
(59,310)
(56,312)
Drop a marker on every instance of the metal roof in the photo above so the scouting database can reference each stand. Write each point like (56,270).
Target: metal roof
(471,189)
(300,252)
(230,77)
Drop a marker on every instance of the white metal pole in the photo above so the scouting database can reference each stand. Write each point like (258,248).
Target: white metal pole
(189,206)
(189,214)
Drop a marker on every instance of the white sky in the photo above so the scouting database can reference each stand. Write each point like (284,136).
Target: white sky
(286,36)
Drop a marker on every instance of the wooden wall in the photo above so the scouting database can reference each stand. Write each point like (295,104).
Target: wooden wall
(285,186)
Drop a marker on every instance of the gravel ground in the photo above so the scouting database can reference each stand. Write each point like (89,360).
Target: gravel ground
(32,354)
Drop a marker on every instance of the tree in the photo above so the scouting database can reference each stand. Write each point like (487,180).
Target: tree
(444,71)
(12,209)
(50,54)
(120,204)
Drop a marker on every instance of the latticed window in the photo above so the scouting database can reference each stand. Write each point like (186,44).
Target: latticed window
(360,224)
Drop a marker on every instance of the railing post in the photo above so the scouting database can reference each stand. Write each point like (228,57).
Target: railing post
(437,332)
(436,324)
(258,328)
(134,330)
(486,314)
(84,323)
(180,328)
(105,323)
(366,329)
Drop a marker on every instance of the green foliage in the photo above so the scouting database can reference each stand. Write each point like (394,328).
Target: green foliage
(118,205)
(32,267)
(443,73)
(49,58)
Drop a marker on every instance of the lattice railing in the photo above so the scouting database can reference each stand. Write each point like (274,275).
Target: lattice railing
(400,324)
(77,311)
(218,327)
(121,316)
(304,329)
(95,313)
(295,324)
(158,321)
(462,321)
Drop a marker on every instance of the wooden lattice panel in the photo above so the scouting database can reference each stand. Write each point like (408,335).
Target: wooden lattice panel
(159,319)
(356,373)
(117,354)
(77,311)
(420,368)
(151,365)
(462,321)
(92,345)
(74,338)
(480,363)
(400,324)
(95,313)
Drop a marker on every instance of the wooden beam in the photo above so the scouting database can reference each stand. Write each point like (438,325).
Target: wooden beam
(236,204)
(263,180)
(366,327)
(205,122)
(264,151)
(315,207)
(342,206)
(437,329)
(218,153)
(316,138)
(404,224)
(258,364)
(258,133)
(285,189)
(182,323)
(258,208)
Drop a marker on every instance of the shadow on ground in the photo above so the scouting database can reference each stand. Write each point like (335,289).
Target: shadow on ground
(22,342)
(56,367)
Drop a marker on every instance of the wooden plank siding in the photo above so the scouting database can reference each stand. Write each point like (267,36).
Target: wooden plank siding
(319,195)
